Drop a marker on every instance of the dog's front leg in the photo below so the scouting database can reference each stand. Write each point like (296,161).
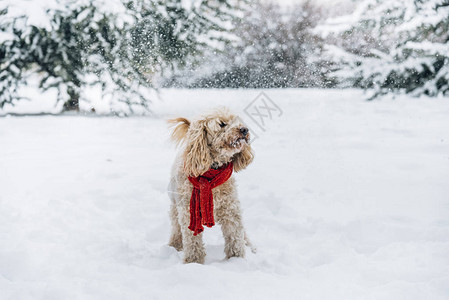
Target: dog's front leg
(234,234)
(194,251)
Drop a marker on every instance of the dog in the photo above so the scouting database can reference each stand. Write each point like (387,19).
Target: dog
(216,142)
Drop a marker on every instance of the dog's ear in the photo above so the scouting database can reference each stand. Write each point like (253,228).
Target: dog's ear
(181,126)
(242,159)
(197,157)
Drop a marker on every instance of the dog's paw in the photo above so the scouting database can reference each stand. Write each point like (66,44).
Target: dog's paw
(189,260)
(235,252)
(194,257)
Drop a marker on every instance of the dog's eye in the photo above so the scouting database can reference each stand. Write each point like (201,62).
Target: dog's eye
(223,124)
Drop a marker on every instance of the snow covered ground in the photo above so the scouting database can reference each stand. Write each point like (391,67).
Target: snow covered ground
(346,199)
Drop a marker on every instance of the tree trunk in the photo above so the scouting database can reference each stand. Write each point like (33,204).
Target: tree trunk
(73,103)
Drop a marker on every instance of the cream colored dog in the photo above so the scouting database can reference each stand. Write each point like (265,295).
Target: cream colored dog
(210,141)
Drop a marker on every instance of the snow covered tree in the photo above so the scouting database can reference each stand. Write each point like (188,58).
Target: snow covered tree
(172,30)
(399,46)
(116,45)
(80,45)
(278,47)
(275,47)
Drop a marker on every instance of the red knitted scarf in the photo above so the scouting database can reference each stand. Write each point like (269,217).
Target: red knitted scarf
(202,202)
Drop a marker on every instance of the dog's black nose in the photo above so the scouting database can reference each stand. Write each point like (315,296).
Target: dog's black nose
(244,131)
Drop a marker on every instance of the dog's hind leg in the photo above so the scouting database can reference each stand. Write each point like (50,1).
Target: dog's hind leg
(234,234)
(176,235)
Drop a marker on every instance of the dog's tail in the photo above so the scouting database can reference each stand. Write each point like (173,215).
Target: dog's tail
(181,125)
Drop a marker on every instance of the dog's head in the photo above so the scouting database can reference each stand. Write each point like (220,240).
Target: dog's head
(212,140)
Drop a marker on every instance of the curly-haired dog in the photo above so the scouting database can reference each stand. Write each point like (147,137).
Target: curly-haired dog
(202,189)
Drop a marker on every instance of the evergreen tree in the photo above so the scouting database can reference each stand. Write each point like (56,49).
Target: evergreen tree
(278,47)
(85,43)
(399,46)
(274,47)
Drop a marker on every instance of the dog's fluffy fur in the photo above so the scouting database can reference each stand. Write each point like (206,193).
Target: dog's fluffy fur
(210,140)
